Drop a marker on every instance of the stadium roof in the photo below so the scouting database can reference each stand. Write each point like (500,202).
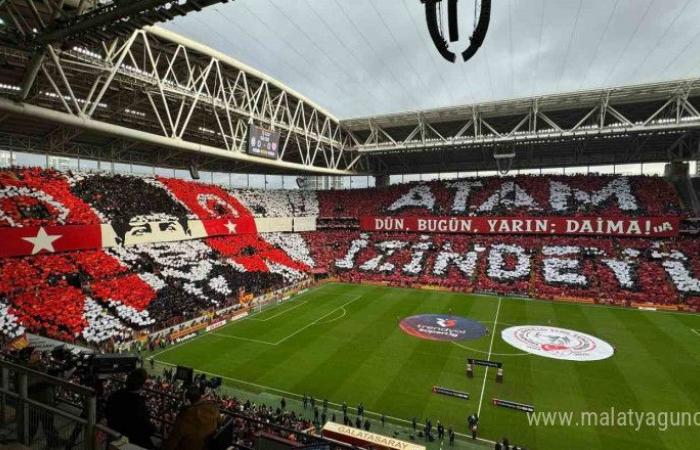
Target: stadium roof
(364,57)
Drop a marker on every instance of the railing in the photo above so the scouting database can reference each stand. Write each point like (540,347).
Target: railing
(163,406)
(30,415)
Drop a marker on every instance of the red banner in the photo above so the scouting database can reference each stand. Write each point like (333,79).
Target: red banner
(20,241)
(32,240)
(226,226)
(579,226)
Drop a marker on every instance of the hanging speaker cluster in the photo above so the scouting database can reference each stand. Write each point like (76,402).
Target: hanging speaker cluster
(194,172)
(433,17)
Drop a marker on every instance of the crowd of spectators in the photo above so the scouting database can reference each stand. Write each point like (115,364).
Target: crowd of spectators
(615,270)
(154,411)
(278,202)
(550,195)
(185,416)
(101,296)
(32,196)
(39,197)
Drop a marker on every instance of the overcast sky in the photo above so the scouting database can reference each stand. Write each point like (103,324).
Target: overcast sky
(367,57)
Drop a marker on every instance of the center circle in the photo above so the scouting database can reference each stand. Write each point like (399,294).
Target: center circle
(442,327)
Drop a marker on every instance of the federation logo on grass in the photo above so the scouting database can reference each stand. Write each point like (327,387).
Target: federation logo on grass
(440,327)
(557,343)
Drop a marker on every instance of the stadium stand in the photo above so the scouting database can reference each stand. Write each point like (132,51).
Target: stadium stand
(145,409)
(156,311)
(170,257)
(182,259)
(607,195)
(615,270)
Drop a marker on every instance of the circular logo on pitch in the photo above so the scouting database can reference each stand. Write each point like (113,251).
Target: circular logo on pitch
(557,343)
(442,327)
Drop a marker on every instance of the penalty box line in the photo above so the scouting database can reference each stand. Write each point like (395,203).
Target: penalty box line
(318,320)
(298,397)
(279,313)
(282,303)
(249,317)
(315,322)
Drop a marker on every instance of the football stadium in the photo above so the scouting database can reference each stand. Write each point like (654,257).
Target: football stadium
(349,224)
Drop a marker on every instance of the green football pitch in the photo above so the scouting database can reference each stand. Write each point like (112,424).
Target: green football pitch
(342,342)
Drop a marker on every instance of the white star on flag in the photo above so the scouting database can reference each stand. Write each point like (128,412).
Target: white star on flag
(231,227)
(42,241)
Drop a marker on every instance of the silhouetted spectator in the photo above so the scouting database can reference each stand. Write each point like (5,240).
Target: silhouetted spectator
(127,412)
(194,425)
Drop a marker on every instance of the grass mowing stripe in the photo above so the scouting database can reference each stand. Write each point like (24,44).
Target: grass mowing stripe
(360,356)
(399,358)
(681,375)
(486,372)
(355,349)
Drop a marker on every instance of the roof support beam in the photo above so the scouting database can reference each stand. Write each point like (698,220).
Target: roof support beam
(86,123)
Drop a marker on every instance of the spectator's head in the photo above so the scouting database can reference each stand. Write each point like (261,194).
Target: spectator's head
(193,394)
(136,379)
(29,354)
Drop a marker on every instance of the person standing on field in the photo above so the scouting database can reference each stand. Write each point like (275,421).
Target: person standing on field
(473,421)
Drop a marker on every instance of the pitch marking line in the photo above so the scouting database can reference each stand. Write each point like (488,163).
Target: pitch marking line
(173,347)
(695,331)
(298,396)
(486,372)
(317,320)
(279,313)
(241,338)
(335,318)
(492,354)
(248,317)
(282,303)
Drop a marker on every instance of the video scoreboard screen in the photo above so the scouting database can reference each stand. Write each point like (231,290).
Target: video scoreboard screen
(263,142)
